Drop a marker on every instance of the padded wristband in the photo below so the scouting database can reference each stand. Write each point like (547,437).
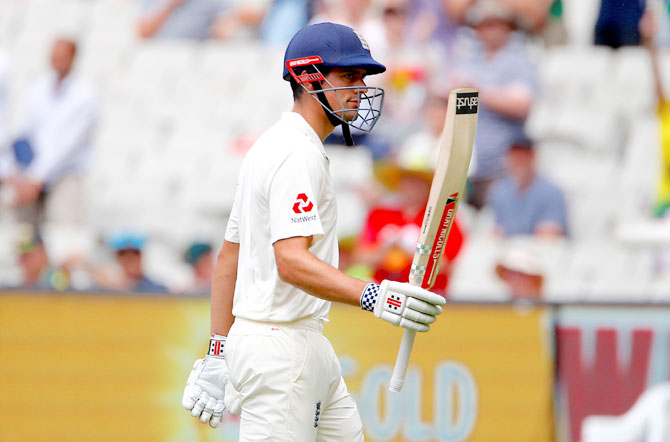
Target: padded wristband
(369,297)
(217,346)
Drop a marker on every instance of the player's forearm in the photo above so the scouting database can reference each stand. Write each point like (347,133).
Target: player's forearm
(223,288)
(300,268)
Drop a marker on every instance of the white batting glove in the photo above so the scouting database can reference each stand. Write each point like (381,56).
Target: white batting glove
(402,304)
(208,393)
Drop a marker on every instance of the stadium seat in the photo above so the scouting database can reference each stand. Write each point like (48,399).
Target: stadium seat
(65,241)
(561,82)
(632,80)
(113,21)
(580,19)
(11,18)
(646,420)
(163,262)
(473,275)
(659,289)
(541,122)
(9,236)
(641,165)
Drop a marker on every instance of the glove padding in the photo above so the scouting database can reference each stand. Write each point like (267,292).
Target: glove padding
(407,306)
(208,393)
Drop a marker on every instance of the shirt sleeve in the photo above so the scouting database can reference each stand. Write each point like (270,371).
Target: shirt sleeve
(553,209)
(293,200)
(232,230)
(522,70)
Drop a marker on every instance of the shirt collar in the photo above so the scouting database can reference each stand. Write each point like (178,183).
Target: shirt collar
(298,121)
(59,89)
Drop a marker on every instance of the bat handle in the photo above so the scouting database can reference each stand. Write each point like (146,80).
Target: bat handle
(402,361)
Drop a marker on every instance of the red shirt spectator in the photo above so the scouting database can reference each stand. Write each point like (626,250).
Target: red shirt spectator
(396,232)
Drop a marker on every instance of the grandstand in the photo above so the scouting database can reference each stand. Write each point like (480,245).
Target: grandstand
(178,116)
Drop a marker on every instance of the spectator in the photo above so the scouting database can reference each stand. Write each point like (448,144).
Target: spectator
(409,64)
(532,14)
(261,18)
(283,19)
(352,13)
(521,271)
(648,30)
(428,135)
(618,23)
(129,276)
(494,60)
(4,103)
(274,21)
(456,9)
(389,237)
(525,203)
(36,271)
(54,144)
(200,257)
(187,19)
(437,21)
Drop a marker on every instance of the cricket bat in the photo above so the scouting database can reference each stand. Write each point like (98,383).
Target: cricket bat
(446,190)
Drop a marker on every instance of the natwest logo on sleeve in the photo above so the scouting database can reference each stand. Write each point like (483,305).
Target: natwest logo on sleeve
(302,204)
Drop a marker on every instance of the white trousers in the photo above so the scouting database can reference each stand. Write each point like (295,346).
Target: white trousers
(291,384)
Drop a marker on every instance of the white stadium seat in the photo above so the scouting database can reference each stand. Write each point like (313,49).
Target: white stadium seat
(580,19)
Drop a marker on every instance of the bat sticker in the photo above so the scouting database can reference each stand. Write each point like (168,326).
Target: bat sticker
(467,103)
(441,238)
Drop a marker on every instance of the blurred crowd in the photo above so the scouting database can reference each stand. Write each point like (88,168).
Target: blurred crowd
(429,47)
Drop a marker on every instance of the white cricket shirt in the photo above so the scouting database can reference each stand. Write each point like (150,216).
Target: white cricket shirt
(284,190)
(60,122)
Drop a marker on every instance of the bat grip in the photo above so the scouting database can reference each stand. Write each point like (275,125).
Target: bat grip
(402,361)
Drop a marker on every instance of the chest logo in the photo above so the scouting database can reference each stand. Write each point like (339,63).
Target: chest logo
(302,204)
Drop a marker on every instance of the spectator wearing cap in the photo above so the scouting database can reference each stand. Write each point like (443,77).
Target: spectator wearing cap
(391,231)
(525,203)
(493,58)
(52,150)
(521,271)
(37,272)
(129,276)
(199,256)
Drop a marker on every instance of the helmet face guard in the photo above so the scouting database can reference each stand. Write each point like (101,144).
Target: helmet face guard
(370,99)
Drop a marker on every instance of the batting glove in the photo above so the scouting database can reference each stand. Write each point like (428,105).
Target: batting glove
(208,393)
(402,304)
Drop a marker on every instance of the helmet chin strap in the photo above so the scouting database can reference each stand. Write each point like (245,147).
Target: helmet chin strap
(346,132)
